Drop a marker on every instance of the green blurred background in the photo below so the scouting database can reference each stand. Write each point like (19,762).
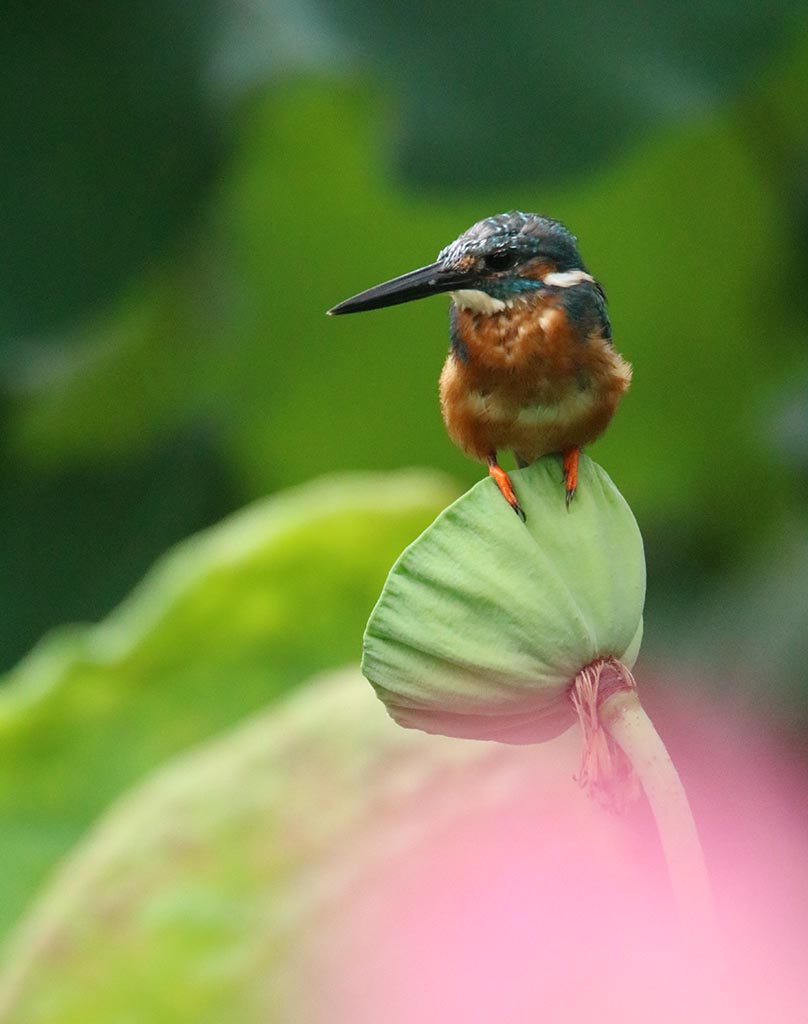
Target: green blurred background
(185,190)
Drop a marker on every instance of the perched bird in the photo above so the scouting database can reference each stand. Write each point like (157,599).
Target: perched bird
(531,365)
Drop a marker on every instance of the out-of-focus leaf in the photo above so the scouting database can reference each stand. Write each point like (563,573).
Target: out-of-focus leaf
(486,95)
(110,135)
(208,894)
(223,624)
(753,632)
(75,540)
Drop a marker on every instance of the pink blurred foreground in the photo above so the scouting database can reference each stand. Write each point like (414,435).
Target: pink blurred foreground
(508,896)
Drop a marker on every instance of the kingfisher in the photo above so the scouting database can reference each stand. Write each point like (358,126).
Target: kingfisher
(531,365)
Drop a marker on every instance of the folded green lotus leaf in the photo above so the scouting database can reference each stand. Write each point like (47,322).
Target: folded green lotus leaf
(484,620)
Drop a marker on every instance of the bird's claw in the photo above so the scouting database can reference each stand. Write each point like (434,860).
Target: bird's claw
(570,475)
(503,482)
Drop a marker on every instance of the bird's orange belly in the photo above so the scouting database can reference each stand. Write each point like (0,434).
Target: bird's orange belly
(529,383)
(482,424)
(483,420)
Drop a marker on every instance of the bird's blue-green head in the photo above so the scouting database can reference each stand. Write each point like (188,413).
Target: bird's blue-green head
(495,263)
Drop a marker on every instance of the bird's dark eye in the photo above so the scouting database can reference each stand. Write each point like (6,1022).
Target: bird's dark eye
(499,260)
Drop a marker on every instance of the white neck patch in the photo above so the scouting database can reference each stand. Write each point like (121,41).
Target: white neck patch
(477,301)
(567,278)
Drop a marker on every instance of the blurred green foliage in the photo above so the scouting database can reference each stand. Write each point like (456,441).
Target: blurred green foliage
(511,94)
(211,377)
(114,134)
(220,627)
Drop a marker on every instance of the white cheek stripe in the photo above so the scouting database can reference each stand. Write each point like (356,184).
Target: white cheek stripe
(481,302)
(567,278)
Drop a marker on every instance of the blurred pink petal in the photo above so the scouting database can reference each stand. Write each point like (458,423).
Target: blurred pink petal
(536,905)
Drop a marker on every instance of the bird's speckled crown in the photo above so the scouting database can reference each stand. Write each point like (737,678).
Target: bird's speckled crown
(527,232)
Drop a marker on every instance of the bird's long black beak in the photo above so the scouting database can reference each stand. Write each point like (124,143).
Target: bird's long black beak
(417,284)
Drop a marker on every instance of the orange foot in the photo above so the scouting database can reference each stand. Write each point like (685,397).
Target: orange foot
(504,484)
(570,464)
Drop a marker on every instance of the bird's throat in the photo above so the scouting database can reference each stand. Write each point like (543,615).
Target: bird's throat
(478,301)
